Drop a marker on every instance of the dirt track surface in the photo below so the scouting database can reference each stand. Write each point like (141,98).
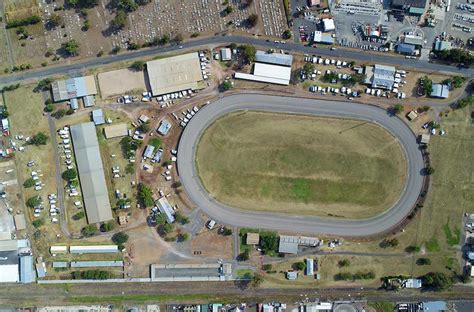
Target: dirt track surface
(311,225)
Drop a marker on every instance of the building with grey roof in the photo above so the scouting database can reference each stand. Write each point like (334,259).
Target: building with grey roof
(440,91)
(64,90)
(27,273)
(274,58)
(60,264)
(94,264)
(88,101)
(442,45)
(98,117)
(148,153)
(380,76)
(165,207)
(289,244)
(91,172)
(74,104)
(226,54)
(405,48)
(164,127)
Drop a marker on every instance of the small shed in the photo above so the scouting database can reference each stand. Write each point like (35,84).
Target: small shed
(226,54)
(5,125)
(20,222)
(164,127)
(309,266)
(74,103)
(412,115)
(148,153)
(291,275)
(88,101)
(425,138)
(143,119)
(252,238)
(58,250)
(60,264)
(98,117)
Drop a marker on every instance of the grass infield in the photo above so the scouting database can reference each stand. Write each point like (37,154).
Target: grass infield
(301,165)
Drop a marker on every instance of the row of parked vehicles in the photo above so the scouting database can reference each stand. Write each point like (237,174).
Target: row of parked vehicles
(323,61)
(187,115)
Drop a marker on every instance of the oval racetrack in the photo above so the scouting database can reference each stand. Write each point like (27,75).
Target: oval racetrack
(311,225)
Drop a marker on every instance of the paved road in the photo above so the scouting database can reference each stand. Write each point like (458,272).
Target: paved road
(75,69)
(313,225)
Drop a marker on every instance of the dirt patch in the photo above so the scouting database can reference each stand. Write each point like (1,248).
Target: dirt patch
(210,244)
(121,81)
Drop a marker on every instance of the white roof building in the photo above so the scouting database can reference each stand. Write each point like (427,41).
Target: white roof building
(328,24)
(226,54)
(173,74)
(268,73)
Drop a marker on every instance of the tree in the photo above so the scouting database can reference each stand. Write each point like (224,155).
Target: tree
(436,281)
(228,10)
(248,52)
(71,47)
(429,170)
(227,231)
(55,20)
(398,108)
(89,230)
(300,266)
(287,34)
(168,228)
(69,174)
(34,201)
(457,81)
(344,263)
(412,249)
(83,3)
(269,242)
(427,85)
(43,85)
(389,243)
(138,65)
(423,261)
(144,127)
(178,38)
(38,223)
(257,280)
(466,102)
(160,219)
(165,39)
(245,255)
(78,216)
(108,226)
(120,238)
(457,56)
(60,113)
(145,195)
(120,20)
(344,276)
(308,68)
(227,85)
(130,168)
(49,108)
(29,183)
(267,267)
(39,139)
(252,20)
(180,218)
(183,237)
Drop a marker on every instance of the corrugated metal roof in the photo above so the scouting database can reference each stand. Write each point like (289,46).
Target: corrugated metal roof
(91,172)
(98,117)
(251,77)
(165,126)
(165,207)
(274,58)
(88,101)
(440,91)
(73,88)
(60,264)
(406,48)
(27,274)
(93,249)
(148,153)
(321,37)
(91,264)
(74,103)
(288,247)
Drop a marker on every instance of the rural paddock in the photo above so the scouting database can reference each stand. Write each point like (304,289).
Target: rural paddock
(301,165)
(308,224)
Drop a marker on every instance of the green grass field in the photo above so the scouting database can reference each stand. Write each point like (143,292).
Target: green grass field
(319,166)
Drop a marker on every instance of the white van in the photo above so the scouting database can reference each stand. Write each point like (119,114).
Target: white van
(211,224)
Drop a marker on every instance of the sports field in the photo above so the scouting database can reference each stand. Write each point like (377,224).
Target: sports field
(301,165)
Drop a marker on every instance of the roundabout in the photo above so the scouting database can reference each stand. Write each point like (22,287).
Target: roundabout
(225,214)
